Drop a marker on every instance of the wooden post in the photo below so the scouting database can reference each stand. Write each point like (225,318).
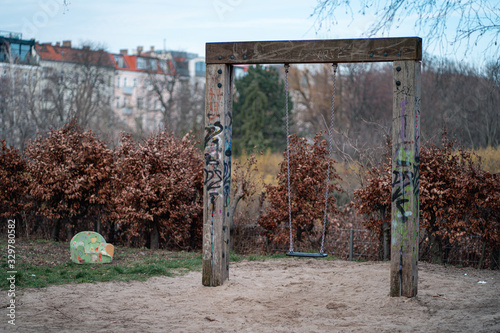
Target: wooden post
(217,173)
(405,178)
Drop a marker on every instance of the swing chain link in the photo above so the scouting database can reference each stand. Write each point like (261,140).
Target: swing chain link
(287,66)
(330,148)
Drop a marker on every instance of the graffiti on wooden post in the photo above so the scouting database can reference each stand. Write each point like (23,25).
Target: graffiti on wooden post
(213,170)
(405,178)
(227,161)
(406,184)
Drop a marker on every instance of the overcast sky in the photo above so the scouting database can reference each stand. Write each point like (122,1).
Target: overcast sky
(179,25)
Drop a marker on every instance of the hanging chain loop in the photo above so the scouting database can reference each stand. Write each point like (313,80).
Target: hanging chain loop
(330,148)
(287,66)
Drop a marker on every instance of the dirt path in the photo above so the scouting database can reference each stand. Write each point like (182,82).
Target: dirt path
(291,295)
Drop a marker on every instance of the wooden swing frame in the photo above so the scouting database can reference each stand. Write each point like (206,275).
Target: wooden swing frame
(405,54)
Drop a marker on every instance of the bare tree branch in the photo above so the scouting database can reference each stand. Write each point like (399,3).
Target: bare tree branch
(473,21)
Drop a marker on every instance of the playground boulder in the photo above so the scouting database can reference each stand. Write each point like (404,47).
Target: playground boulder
(90,247)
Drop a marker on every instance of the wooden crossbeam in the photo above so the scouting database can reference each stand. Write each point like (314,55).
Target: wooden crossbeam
(315,51)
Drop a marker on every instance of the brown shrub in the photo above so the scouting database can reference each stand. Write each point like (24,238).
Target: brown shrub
(159,185)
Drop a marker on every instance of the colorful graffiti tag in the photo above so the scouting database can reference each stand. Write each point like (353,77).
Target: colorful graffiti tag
(217,179)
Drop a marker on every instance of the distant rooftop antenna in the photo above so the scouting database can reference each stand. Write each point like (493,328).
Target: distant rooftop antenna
(164,45)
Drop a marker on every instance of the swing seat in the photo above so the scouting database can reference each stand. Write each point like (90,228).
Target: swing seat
(306,254)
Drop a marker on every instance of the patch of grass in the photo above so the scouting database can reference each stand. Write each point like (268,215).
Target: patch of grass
(233,257)
(69,272)
(42,263)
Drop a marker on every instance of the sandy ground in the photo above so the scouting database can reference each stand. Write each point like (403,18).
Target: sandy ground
(290,295)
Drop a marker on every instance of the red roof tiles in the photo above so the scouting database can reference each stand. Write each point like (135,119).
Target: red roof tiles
(84,55)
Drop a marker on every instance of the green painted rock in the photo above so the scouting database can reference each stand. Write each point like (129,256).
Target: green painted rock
(88,247)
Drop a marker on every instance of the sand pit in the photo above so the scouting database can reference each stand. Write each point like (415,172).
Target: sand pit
(288,295)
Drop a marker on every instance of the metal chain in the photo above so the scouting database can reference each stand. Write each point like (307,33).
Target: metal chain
(287,66)
(330,132)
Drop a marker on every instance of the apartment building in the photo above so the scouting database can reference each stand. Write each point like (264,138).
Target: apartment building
(143,87)
(76,82)
(138,92)
(19,76)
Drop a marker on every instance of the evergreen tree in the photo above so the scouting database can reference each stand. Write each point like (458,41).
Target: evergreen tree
(259,111)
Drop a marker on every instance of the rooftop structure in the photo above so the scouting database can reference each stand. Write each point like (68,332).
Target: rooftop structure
(66,53)
(15,50)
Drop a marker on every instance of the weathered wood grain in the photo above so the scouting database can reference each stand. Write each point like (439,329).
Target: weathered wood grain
(315,51)
(217,174)
(405,179)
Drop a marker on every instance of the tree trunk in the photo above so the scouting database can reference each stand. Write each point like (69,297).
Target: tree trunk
(155,238)
(481,259)
(111,233)
(436,249)
(54,232)
(387,240)
(98,224)
(69,231)
(446,251)
(495,258)
(25,220)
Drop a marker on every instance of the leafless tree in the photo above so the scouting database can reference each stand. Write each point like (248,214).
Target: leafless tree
(182,101)
(191,107)
(363,102)
(79,89)
(473,21)
(463,100)
(18,101)
(161,85)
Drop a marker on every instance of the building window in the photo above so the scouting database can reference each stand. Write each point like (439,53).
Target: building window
(124,81)
(118,82)
(148,85)
(134,82)
(118,102)
(200,68)
(153,65)
(141,63)
(140,102)
(163,66)
(119,61)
